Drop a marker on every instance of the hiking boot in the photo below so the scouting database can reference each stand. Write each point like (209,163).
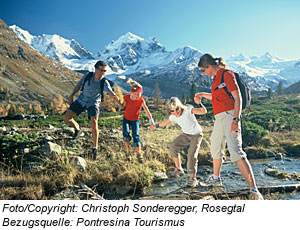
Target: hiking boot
(255,195)
(210,181)
(77,134)
(94,153)
(177,172)
(140,158)
(193,182)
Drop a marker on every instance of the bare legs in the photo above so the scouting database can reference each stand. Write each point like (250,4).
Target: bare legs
(138,149)
(95,132)
(94,124)
(69,119)
(244,166)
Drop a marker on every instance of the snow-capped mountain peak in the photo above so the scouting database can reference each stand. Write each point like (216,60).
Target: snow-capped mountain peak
(131,44)
(22,34)
(239,58)
(54,46)
(266,59)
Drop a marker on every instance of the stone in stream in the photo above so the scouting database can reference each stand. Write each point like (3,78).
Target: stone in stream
(159,175)
(278,156)
(271,154)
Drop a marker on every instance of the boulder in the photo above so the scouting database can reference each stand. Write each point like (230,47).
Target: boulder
(50,149)
(78,162)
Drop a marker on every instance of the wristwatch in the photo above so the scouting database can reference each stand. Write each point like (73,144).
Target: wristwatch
(236,119)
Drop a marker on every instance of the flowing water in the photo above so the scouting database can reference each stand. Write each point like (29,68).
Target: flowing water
(232,179)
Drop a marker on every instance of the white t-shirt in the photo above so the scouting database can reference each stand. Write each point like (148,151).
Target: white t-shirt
(187,121)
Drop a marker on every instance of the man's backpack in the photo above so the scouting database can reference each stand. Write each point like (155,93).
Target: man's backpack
(244,89)
(89,76)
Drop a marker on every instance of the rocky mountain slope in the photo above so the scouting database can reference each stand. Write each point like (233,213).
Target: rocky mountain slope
(293,89)
(30,76)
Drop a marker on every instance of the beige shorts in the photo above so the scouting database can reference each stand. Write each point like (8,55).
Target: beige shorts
(222,134)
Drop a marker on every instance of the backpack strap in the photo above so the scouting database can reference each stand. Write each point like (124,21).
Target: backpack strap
(87,78)
(102,88)
(223,85)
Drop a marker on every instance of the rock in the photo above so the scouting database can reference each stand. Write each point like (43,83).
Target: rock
(51,127)
(270,171)
(276,173)
(270,166)
(159,175)
(278,156)
(271,154)
(50,149)
(48,138)
(3,129)
(26,150)
(114,133)
(69,130)
(78,162)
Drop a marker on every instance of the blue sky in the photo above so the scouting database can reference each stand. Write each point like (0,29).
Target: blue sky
(220,27)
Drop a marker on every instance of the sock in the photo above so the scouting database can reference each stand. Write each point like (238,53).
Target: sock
(253,189)
(216,177)
(94,147)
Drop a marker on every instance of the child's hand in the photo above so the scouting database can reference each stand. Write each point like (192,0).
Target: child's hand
(152,127)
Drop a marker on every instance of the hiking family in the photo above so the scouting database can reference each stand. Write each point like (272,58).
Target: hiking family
(228,96)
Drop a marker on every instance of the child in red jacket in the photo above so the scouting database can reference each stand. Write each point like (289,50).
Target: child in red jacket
(134,103)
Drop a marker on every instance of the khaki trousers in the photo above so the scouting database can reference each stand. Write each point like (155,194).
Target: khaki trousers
(184,140)
(222,134)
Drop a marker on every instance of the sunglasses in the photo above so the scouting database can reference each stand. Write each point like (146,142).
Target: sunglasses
(172,110)
(102,70)
(135,87)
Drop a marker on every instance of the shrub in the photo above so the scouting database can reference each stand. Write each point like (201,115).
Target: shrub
(252,133)
(256,152)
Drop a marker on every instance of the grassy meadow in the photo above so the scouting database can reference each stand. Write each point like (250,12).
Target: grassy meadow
(269,125)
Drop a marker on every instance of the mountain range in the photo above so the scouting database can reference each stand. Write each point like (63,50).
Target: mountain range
(148,61)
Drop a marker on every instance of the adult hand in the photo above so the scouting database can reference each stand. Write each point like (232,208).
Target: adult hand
(235,126)
(117,99)
(199,94)
(198,97)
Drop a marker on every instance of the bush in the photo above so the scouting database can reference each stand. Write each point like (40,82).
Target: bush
(252,133)
(256,152)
